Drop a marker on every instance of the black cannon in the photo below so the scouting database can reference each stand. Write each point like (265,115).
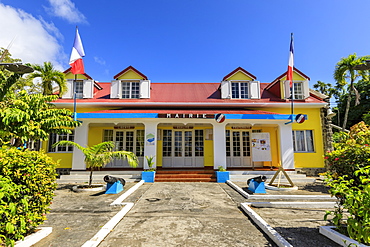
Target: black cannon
(111,180)
(258,179)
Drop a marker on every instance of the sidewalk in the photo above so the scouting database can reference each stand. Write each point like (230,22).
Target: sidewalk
(185,214)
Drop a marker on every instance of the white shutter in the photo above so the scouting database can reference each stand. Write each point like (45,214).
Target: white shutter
(145,89)
(225,90)
(88,89)
(255,90)
(115,89)
(286,89)
(69,93)
(306,89)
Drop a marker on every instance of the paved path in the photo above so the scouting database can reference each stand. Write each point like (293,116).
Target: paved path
(184,214)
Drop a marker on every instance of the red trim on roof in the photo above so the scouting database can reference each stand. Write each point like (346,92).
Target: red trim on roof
(130,68)
(187,111)
(281,76)
(236,70)
(69,70)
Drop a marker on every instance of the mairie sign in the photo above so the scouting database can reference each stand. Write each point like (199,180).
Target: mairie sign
(188,115)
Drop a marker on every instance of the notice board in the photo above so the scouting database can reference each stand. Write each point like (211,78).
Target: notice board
(261,149)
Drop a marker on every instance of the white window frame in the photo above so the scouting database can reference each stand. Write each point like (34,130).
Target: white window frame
(78,88)
(298,94)
(239,95)
(138,144)
(307,146)
(54,138)
(128,93)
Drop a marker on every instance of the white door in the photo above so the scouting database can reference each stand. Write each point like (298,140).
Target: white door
(238,148)
(183,148)
(132,141)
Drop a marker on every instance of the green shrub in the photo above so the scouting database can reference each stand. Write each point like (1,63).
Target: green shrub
(349,181)
(27,184)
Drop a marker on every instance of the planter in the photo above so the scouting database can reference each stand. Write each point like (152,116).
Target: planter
(330,232)
(148,176)
(222,177)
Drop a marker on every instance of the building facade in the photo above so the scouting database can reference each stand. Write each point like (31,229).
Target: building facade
(238,123)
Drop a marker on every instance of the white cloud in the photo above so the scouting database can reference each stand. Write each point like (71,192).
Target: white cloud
(36,41)
(67,10)
(99,60)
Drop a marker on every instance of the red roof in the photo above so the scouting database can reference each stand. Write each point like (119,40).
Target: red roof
(208,111)
(185,93)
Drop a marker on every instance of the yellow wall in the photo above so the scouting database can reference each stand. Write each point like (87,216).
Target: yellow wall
(72,76)
(65,159)
(130,74)
(305,160)
(240,76)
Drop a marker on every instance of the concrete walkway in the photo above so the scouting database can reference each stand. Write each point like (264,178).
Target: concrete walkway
(184,214)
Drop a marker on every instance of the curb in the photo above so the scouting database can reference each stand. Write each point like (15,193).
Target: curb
(34,237)
(238,189)
(108,227)
(120,199)
(293,204)
(329,232)
(277,197)
(271,232)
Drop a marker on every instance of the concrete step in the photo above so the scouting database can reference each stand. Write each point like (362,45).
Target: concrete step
(185,179)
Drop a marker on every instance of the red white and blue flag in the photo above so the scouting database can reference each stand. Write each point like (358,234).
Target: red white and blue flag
(289,75)
(78,52)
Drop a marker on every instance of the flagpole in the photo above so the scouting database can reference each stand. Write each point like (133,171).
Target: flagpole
(291,88)
(74,99)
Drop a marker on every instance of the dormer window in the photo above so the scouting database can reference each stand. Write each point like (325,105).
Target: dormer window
(79,87)
(239,90)
(84,89)
(130,89)
(298,90)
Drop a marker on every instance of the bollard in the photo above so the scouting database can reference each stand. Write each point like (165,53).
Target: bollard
(114,185)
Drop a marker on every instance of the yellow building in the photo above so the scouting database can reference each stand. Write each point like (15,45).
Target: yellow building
(238,123)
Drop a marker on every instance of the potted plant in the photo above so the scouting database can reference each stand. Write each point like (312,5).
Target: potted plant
(100,154)
(222,175)
(148,175)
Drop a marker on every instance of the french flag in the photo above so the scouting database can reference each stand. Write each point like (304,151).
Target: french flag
(78,52)
(289,76)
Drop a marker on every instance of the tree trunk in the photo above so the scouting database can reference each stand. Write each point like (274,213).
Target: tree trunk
(90,179)
(347,107)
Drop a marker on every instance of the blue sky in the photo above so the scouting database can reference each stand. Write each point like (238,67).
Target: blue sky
(189,41)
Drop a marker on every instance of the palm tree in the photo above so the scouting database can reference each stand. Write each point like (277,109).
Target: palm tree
(345,70)
(48,76)
(100,154)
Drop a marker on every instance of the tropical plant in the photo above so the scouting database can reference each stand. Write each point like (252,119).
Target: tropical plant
(150,162)
(27,184)
(348,178)
(100,154)
(345,74)
(48,76)
(27,117)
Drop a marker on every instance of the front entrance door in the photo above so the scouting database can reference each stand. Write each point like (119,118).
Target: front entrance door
(238,148)
(128,140)
(183,148)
